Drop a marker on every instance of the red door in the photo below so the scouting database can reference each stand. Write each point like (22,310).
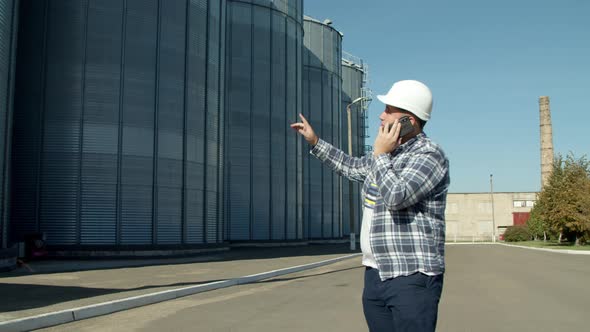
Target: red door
(520,218)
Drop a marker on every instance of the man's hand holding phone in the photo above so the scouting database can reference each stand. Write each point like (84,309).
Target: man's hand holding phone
(388,138)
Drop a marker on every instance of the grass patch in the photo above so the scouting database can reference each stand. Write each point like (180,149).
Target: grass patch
(550,245)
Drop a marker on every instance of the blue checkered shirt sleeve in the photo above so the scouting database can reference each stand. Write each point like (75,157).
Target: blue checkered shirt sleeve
(355,169)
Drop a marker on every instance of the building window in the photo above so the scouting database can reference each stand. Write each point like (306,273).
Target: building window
(485,207)
(518,204)
(452,208)
(530,203)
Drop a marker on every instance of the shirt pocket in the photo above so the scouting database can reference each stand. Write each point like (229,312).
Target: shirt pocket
(371,196)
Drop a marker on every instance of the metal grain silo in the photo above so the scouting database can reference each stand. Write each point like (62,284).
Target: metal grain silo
(8,31)
(322,80)
(353,87)
(263,80)
(119,125)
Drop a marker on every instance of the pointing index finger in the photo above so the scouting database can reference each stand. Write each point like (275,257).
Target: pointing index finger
(303,119)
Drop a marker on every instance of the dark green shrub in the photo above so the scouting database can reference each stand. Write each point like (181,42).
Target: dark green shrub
(584,239)
(517,233)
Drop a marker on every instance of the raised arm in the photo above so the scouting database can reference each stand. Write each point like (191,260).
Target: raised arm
(355,169)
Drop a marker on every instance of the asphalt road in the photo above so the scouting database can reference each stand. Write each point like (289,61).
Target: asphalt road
(487,288)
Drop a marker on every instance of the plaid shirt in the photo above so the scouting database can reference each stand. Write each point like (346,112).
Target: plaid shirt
(408,227)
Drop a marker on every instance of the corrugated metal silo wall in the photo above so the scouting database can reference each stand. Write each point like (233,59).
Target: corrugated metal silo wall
(8,32)
(322,81)
(119,122)
(263,97)
(352,83)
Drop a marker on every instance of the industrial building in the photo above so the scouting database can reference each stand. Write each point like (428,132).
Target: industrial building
(8,33)
(322,88)
(152,126)
(485,216)
(118,123)
(162,126)
(473,217)
(264,94)
(355,74)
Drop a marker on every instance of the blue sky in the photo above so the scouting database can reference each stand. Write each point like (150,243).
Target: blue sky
(487,63)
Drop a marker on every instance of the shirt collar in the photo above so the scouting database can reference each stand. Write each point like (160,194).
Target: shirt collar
(405,146)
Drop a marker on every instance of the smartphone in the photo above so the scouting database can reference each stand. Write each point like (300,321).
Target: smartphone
(406,124)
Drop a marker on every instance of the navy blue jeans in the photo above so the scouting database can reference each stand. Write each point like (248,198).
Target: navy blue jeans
(403,303)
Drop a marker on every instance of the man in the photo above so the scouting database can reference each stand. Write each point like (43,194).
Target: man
(405,183)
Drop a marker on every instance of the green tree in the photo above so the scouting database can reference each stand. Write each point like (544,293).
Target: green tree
(577,178)
(564,203)
(536,225)
(549,198)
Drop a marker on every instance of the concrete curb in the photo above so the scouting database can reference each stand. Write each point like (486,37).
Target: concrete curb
(467,243)
(71,315)
(559,251)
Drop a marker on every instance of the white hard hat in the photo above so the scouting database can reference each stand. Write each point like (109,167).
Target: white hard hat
(410,95)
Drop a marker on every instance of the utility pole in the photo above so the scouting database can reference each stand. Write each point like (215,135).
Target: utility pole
(493,217)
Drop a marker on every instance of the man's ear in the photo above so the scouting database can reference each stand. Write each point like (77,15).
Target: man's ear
(416,123)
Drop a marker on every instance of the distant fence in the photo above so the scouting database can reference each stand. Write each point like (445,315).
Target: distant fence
(450,238)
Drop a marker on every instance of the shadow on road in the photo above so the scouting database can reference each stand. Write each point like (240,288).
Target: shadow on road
(16,297)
